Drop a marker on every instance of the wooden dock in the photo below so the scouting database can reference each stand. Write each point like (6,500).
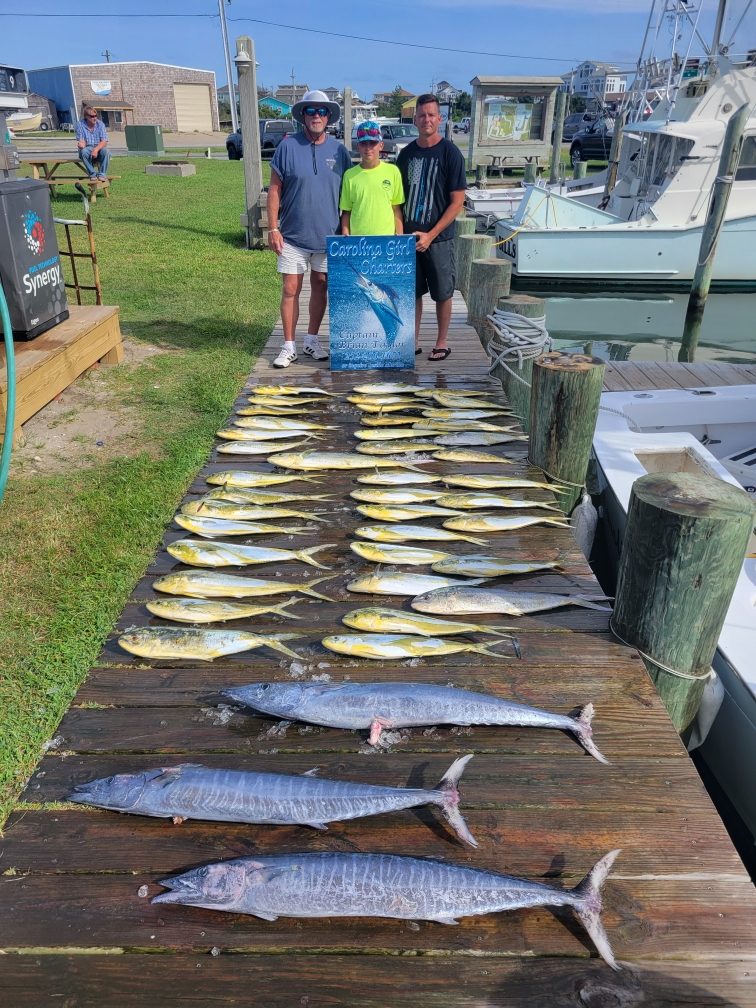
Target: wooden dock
(680,911)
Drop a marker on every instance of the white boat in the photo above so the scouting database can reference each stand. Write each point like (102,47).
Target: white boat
(649,232)
(712,431)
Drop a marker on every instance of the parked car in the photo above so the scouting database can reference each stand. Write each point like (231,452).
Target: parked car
(593,143)
(395,137)
(463,126)
(272,132)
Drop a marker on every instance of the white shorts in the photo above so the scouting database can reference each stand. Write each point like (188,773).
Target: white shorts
(295,260)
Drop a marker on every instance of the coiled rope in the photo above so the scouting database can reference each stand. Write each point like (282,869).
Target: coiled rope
(516,338)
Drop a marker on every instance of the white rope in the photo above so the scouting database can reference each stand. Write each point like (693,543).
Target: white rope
(516,337)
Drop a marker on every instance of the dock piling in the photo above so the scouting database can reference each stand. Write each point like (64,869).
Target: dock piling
(564,405)
(684,544)
(469,247)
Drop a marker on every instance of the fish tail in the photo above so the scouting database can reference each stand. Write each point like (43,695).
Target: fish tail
(306,588)
(588,906)
(584,732)
(282,605)
(587,604)
(449,800)
(305,555)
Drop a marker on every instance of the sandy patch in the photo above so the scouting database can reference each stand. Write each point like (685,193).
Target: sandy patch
(83,426)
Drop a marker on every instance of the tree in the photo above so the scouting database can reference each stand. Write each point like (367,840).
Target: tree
(269,112)
(462,106)
(392,109)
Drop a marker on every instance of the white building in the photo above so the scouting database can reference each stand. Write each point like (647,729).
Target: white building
(595,81)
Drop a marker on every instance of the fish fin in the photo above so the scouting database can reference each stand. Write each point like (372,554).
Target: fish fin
(584,732)
(305,555)
(311,773)
(589,906)
(316,825)
(587,604)
(449,804)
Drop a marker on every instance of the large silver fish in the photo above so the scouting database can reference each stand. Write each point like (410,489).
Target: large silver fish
(414,556)
(478,438)
(245,478)
(489,499)
(220,554)
(467,600)
(502,523)
(214,508)
(403,512)
(200,645)
(377,620)
(243,495)
(282,424)
(208,528)
(380,705)
(380,885)
(397,647)
(332,460)
(406,533)
(206,584)
(411,495)
(256,447)
(194,610)
(388,388)
(189,791)
(398,478)
(402,583)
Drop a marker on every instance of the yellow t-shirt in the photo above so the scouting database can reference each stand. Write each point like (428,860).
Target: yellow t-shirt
(370,194)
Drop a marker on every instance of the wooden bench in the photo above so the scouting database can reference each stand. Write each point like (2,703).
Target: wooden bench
(48,364)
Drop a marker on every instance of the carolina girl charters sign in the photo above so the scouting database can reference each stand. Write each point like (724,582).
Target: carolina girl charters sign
(371,301)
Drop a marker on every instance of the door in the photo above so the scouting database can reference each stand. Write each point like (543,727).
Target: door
(193,110)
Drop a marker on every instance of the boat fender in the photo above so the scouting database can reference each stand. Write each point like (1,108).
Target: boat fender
(584,521)
(711,701)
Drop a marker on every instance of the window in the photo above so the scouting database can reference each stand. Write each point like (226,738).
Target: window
(747,165)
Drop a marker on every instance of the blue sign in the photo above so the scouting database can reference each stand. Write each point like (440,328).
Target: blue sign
(371,301)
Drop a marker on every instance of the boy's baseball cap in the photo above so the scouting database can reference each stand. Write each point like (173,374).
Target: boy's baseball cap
(369,130)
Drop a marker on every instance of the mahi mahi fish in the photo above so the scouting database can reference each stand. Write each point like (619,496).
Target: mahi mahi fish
(202,645)
(255,447)
(208,528)
(403,512)
(282,424)
(380,885)
(489,567)
(467,601)
(400,646)
(193,610)
(403,705)
(502,523)
(415,556)
(242,512)
(220,554)
(404,533)
(387,388)
(411,495)
(493,481)
(378,620)
(331,460)
(204,584)
(398,478)
(192,791)
(468,455)
(490,500)
(242,495)
(288,390)
(244,478)
(402,583)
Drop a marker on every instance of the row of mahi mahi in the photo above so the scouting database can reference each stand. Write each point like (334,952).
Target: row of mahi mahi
(312,885)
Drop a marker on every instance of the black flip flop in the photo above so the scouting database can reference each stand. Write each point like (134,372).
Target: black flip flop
(443,352)
(418,350)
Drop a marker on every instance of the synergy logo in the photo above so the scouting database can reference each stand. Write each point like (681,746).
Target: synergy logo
(35,233)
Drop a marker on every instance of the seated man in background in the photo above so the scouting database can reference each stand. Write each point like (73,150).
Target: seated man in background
(92,140)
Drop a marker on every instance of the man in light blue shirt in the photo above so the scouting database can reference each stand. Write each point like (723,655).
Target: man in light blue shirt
(92,140)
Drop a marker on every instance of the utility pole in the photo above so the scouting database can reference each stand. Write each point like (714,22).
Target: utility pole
(728,164)
(250,124)
(229,71)
(107,55)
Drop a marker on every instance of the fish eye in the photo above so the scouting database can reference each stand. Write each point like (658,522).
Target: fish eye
(202,872)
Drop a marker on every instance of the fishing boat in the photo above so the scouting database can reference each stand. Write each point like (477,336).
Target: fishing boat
(710,431)
(648,233)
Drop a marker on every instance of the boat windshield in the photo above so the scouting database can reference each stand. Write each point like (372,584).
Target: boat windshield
(661,155)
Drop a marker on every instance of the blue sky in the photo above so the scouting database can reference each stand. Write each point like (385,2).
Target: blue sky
(566,30)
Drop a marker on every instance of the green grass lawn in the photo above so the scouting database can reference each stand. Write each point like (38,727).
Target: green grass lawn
(72,545)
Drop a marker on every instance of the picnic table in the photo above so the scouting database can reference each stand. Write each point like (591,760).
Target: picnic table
(49,173)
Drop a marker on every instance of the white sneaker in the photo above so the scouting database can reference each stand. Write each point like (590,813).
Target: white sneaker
(313,348)
(287,355)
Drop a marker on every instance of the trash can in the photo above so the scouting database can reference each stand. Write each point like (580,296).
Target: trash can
(30,268)
(145,141)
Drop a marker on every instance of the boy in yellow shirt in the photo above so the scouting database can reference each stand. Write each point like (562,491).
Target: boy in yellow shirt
(371,193)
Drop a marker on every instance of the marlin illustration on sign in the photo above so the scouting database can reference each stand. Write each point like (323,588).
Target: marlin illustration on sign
(384,302)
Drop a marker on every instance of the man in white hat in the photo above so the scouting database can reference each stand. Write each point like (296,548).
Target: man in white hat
(303,209)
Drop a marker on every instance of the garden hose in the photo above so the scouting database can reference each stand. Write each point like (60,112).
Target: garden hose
(10,402)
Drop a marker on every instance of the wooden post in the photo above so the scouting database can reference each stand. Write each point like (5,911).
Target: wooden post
(720,193)
(685,540)
(347,95)
(467,248)
(580,169)
(564,404)
(530,173)
(560,108)
(518,391)
(490,279)
(250,126)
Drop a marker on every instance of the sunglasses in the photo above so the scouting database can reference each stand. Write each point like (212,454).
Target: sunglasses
(369,133)
(312,111)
